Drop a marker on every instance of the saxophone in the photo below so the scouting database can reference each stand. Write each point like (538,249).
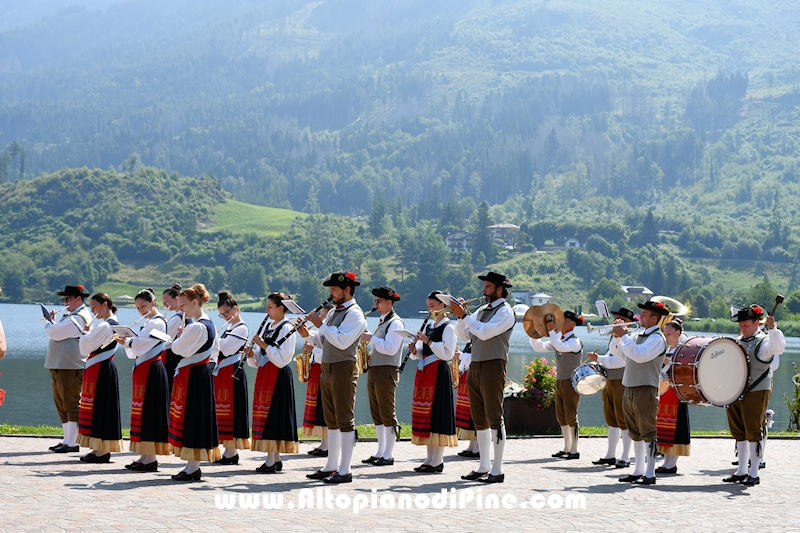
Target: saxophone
(362,357)
(455,374)
(303,361)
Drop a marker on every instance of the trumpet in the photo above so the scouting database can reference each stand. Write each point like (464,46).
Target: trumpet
(601,329)
(472,304)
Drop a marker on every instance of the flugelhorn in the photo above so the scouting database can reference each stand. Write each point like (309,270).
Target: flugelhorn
(601,329)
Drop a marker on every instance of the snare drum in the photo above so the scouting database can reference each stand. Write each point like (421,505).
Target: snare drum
(710,371)
(589,379)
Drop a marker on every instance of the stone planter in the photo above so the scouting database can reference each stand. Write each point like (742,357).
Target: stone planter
(521,417)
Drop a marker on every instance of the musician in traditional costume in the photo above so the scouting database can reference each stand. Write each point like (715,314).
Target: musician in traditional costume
(612,399)
(433,422)
(672,418)
(338,337)
(230,383)
(313,414)
(99,424)
(274,413)
(150,388)
(746,416)
(465,426)
(383,376)
(65,362)
(644,356)
(568,350)
(174,327)
(192,413)
(489,329)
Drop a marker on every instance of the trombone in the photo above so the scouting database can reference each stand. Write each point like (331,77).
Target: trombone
(601,329)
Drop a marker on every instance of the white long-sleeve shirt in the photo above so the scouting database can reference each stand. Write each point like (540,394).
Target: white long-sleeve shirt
(278,356)
(652,347)
(464,359)
(66,328)
(137,346)
(503,320)
(609,360)
(348,332)
(100,335)
(773,346)
(444,350)
(194,336)
(174,325)
(555,344)
(390,344)
(235,339)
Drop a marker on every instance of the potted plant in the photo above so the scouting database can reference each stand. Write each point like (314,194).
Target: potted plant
(530,407)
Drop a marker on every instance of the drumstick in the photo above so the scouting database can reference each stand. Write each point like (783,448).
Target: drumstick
(778,301)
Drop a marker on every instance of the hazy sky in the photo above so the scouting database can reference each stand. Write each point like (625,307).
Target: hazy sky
(20,13)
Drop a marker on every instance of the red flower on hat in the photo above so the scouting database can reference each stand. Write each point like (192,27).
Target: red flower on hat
(80,287)
(351,276)
(757,310)
(395,296)
(660,305)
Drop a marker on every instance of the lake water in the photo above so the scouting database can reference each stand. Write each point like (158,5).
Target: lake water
(29,400)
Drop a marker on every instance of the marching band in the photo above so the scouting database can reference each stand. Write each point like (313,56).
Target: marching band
(644,377)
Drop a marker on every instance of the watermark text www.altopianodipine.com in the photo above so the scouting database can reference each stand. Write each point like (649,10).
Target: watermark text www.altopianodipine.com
(324,498)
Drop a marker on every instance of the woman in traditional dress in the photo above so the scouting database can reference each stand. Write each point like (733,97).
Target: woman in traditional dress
(150,389)
(192,411)
(274,422)
(672,419)
(230,383)
(432,411)
(313,415)
(175,325)
(99,425)
(465,426)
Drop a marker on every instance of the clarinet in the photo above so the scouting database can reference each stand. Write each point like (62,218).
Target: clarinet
(237,373)
(408,353)
(291,332)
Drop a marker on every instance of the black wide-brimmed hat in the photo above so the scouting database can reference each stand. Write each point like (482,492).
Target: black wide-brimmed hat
(578,319)
(751,312)
(656,307)
(387,293)
(623,313)
(341,279)
(74,290)
(498,279)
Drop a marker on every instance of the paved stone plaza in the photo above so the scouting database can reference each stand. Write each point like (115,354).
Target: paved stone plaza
(52,492)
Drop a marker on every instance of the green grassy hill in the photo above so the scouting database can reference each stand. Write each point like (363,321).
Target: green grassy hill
(237,217)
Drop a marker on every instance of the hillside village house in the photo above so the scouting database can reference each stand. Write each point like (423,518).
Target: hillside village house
(530,298)
(636,293)
(460,241)
(504,232)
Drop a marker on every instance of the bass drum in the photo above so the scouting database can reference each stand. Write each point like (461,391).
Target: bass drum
(589,379)
(709,371)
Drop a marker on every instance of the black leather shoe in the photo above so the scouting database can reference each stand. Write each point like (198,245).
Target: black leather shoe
(92,458)
(493,479)
(750,481)
(645,481)
(228,460)
(320,474)
(380,461)
(662,470)
(132,465)
(264,469)
(183,476)
(623,464)
(612,461)
(141,467)
(472,476)
(428,469)
(735,479)
(470,455)
(279,466)
(370,460)
(762,464)
(575,455)
(629,479)
(63,448)
(316,452)
(336,478)
(53,448)
(559,455)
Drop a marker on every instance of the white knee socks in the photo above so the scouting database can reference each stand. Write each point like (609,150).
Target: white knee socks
(613,438)
(391,438)
(71,434)
(229,452)
(473,446)
(640,451)
(626,446)
(438,455)
(567,438)
(191,467)
(573,445)
(334,448)
(429,452)
(324,444)
(484,447)
(743,451)
(499,446)
(348,443)
(670,461)
(755,458)
(652,450)
(379,430)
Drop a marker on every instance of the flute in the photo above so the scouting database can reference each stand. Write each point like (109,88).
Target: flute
(408,353)
(291,332)
(56,312)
